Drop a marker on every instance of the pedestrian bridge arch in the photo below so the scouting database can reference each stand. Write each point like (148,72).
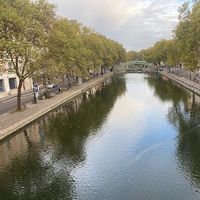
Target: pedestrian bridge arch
(134,66)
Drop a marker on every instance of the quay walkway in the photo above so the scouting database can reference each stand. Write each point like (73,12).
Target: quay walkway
(191,85)
(10,123)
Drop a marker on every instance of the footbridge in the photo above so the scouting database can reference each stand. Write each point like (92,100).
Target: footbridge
(135,66)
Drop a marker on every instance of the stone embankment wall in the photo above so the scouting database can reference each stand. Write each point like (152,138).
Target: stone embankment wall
(194,87)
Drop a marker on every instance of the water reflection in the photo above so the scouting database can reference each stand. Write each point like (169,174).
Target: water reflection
(184,114)
(72,132)
(143,145)
(37,163)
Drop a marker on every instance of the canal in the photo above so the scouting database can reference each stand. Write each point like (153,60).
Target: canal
(138,138)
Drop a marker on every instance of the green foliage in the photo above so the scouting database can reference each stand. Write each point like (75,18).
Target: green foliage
(23,28)
(185,47)
(39,42)
(132,55)
(187,34)
(162,51)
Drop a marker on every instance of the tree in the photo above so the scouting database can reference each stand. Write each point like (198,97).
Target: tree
(40,43)
(187,34)
(132,55)
(172,53)
(24,26)
(162,51)
(103,52)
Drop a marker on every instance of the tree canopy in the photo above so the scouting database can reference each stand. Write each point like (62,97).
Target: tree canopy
(37,41)
(184,48)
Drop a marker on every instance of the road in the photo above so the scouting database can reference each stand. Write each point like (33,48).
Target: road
(5,106)
(10,104)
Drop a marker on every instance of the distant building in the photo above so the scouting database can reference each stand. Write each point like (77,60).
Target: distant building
(9,81)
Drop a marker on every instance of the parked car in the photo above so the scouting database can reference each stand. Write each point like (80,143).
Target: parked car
(50,86)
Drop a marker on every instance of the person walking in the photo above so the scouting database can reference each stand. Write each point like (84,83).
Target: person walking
(36,93)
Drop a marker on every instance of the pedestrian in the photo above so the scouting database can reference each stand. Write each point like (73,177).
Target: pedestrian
(36,92)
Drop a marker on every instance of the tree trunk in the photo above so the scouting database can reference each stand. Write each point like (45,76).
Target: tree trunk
(94,73)
(19,94)
(68,77)
(63,81)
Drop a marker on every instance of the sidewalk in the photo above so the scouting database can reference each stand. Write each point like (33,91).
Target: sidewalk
(191,85)
(12,122)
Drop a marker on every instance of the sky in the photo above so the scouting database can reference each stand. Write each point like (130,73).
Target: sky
(137,24)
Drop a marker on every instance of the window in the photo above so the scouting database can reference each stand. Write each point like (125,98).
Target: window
(1,85)
(12,83)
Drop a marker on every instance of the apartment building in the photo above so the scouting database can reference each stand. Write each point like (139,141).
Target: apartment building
(9,81)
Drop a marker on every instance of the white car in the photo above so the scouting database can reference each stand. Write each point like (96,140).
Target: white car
(50,86)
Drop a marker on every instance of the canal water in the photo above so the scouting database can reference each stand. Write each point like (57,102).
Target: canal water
(138,138)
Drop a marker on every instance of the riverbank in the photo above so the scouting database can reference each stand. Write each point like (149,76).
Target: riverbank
(191,85)
(10,123)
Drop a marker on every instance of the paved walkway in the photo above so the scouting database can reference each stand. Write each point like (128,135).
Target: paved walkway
(191,85)
(11,122)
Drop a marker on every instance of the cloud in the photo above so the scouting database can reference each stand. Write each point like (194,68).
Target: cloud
(137,24)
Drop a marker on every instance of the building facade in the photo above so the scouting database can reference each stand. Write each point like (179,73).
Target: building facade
(9,81)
